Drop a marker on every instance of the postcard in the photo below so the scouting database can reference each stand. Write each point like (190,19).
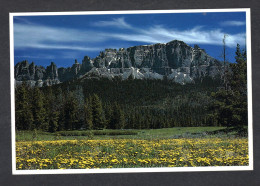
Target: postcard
(131,91)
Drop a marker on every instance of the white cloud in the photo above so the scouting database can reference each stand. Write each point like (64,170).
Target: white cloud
(45,37)
(116,22)
(66,47)
(197,35)
(39,36)
(233,23)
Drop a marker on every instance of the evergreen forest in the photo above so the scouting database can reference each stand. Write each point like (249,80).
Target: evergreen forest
(99,103)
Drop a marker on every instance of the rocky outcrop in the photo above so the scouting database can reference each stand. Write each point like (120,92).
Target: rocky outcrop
(87,64)
(176,60)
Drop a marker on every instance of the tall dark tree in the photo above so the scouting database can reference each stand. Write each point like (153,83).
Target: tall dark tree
(70,112)
(108,114)
(39,112)
(88,113)
(79,96)
(230,108)
(238,77)
(97,113)
(52,110)
(60,102)
(23,108)
(118,119)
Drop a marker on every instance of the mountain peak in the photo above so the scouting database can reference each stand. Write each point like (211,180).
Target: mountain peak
(175,60)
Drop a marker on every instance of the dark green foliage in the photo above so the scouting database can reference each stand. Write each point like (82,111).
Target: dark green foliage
(97,113)
(238,77)
(231,103)
(117,120)
(88,113)
(108,114)
(70,112)
(53,121)
(60,102)
(23,108)
(80,99)
(227,108)
(52,109)
(117,104)
(39,112)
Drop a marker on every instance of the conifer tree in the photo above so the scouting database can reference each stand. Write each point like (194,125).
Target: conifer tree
(108,115)
(52,110)
(60,102)
(70,112)
(118,119)
(53,121)
(97,113)
(88,113)
(23,108)
(39,112)
(231,104)
(79,96)
(121,118)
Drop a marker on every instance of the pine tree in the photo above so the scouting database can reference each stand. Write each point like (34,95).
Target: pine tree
(108,115)
(118,119)
(79,96)
(97,113)
(238,77)
(60,102)
(53,121)
(23,108)
(52,110)
(39,112)
(230,108)
(70,112)
(88,114)
(121,117)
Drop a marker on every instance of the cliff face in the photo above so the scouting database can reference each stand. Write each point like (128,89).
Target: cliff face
(176,60)
(36,75)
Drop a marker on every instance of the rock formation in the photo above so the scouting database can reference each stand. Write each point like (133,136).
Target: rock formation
(176,60)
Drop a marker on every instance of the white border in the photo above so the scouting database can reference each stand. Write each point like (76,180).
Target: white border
(135,170)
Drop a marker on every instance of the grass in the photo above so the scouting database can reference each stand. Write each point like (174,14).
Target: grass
(90,133)
(165,133)
(126,153)
(169,147)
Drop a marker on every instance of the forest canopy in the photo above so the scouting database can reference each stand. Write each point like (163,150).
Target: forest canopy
(99,103)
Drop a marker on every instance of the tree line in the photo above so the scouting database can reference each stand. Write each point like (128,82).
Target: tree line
(99,103)
(80,107)
(230,105)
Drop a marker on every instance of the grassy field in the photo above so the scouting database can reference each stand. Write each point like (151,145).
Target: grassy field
(174,147)
(177,132)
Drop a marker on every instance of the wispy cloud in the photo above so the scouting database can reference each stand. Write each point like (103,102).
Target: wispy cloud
(116,22)
(39,36)
(22,20)
(197,35)
(36,57)
(45,37)
(233,23)
(63,55)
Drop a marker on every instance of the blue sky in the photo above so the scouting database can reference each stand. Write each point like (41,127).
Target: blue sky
(62,39)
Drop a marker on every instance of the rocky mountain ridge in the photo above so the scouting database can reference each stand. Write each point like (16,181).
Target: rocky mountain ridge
(175,60)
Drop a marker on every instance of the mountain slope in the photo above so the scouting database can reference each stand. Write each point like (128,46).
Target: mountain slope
(176,60)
